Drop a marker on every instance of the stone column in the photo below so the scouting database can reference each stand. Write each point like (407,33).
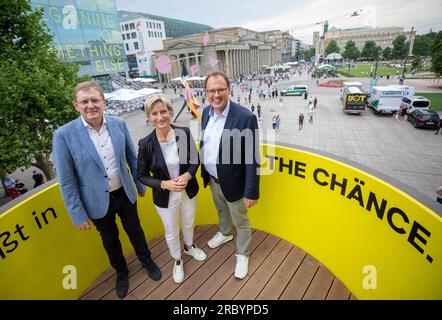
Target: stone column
(242,61)
(226,53)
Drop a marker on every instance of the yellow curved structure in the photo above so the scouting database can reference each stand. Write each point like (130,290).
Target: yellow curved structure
(378,240)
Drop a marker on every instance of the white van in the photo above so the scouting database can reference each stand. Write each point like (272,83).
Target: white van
(407,91)
(415,103)
(385,99)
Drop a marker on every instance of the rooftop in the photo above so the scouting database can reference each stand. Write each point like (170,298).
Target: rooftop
(173,27)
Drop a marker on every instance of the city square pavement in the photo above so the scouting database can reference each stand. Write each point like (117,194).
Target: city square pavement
(392,147)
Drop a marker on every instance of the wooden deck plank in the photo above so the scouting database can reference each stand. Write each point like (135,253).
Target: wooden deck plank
(169,286)
(210,266)
(130,258)
(196,279)
(141,275)
(165,263)
(232,286)
(263,274)
(224,272)
(277,270)
(279,280)
(107,285)
(338,291)
(301,279)
(320,285)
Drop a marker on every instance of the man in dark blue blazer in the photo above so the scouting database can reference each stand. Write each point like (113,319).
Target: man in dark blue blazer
(92,155)
(230,157)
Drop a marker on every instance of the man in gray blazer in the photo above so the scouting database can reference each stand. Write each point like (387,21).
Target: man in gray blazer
(92,155)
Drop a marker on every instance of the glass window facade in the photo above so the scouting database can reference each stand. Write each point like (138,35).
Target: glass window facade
(86,32)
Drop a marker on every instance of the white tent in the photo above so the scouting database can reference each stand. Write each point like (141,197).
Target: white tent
(196,78)
(176,79)
(147,91)
(122,91)
(108,95)
(126,96)
(148,80)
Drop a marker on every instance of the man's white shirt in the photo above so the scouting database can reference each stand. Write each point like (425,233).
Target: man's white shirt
(212,139)
(103,144)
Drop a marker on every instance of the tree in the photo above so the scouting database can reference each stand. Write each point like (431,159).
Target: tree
(417,63)
(351,52)
(306,54)
(36,89)
(399,47)
(369,50)
(436,55)
(423,44)
(386,53)
(332,47)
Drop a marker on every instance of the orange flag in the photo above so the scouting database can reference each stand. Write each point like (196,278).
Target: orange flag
(191,100)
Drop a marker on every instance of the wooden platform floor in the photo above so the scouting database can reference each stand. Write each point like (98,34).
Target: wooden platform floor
(278,270)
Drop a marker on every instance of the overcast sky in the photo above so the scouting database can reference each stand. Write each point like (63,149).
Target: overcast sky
(301,17)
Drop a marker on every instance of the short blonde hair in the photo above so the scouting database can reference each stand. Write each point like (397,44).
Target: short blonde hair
(88,85)
(148,104)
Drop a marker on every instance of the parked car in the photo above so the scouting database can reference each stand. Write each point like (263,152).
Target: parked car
(424,119)
(415,103)
(335,83)
(294,90)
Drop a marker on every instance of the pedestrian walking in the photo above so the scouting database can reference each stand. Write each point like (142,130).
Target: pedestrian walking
(301,121)
(439,126)
(278,121)
(310,114)
(315,103)
(274,122)
(258,109)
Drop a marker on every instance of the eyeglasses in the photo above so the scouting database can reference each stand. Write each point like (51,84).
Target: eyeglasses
(86,102)
(218,91)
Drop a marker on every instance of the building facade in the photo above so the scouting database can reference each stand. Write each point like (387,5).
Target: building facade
(236,51)
(87,32)
(141,37)
(173,27)
(383,37)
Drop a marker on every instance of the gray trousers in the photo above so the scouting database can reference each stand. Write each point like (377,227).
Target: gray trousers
(232,214)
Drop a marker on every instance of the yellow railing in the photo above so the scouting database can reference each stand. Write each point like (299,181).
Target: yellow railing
(379,241)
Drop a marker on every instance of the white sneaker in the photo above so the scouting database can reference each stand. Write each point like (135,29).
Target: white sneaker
(178,271)
(218,239)
(195,253)
(242,266)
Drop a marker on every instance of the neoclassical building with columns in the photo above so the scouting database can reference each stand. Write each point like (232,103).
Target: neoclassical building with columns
(239,51)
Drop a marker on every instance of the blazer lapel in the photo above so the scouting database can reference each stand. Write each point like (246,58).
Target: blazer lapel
(87,144)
